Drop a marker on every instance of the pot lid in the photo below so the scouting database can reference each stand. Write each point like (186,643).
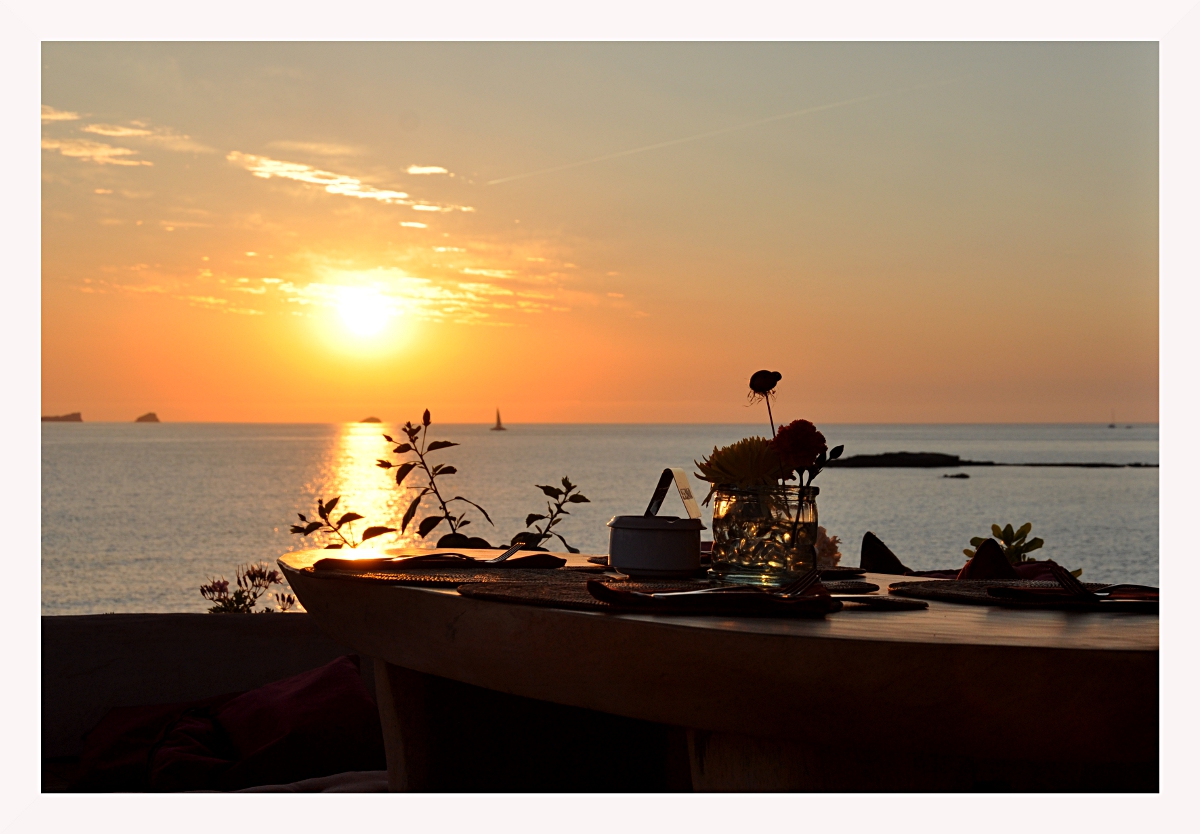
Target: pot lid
(655,522)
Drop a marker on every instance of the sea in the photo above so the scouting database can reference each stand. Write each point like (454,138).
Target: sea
(137,516)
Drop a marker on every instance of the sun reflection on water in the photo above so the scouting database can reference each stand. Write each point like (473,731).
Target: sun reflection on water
(364,487)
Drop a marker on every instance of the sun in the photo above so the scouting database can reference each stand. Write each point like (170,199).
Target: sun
(363,310)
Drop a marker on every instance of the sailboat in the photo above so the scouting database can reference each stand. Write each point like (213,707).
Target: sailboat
(1111,425)
(499,426)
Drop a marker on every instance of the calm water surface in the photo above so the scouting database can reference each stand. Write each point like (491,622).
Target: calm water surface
(136,516)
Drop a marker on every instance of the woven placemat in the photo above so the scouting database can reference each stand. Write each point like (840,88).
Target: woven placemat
(850,586)
(453,577)
(838,572)
(974,592)
(576,595)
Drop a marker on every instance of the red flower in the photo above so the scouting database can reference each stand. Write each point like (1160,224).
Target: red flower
(798,444)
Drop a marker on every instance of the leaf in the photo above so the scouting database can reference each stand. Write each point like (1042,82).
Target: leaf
(1077,573)
(836,452)
(996,531)
(372,532)
(566,482)
(977,540)
(1024,530)
(462,522)
(347,518)
(970,554)
(1008,533)
(444,469)
(302,518)
(427,524)
(1033,544)
(532,517)
(402,472)
(402,448)
(296,528)
(578,498)
(425,421)
(553,492)
(321,511)
(383,464)
(410,512)
(337,546)
(567,546)
(476,506)
(439,444)
(312,527)
(388,438)
(331,504)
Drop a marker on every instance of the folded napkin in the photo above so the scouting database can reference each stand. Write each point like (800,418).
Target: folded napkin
(437,560)
(989,562)
(878,558)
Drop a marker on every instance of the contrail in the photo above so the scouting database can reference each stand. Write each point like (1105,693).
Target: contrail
(718,132)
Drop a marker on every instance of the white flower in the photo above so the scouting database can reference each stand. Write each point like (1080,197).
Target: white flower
(827,549)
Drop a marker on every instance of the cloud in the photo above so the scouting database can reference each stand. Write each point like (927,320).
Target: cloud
(426,169)
(406,295)
(347,186)
(489,273)
(341,184)
(50,114)
(412,225)
(318,148)
(163,137)
(116,130)
(90,151)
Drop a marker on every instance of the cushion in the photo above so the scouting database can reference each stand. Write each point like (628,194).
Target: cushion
(314,724)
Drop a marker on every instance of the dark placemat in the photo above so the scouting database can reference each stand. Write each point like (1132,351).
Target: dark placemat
(576,595)
(452,577)
(850,586)
(839,572)
(975,592)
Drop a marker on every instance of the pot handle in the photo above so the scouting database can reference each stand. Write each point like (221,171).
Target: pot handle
(680,479)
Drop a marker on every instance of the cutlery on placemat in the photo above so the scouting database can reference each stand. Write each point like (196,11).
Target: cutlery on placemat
(505,554)
(791,590)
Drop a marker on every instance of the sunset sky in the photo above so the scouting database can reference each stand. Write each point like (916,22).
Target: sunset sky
(931,232)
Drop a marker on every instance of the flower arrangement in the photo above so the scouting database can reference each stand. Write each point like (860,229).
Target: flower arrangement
(764,530)
(796,450)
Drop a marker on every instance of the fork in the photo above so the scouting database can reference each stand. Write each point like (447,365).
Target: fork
(506,554)
(792,589)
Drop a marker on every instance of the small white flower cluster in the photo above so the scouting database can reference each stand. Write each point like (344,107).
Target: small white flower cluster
(827,549)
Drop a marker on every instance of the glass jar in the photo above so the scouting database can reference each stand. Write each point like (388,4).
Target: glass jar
(763,535)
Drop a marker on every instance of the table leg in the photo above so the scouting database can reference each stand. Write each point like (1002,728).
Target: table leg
(403,713)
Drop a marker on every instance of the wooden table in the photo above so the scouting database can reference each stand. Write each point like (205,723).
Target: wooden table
(957,697)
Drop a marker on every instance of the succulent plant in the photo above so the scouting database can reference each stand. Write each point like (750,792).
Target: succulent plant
(1011,541)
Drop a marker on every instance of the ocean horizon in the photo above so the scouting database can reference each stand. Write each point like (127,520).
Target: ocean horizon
(135,517)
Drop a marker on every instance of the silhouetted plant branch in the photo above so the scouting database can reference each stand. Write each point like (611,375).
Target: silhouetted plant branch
(252,582)
(567,495)
(419,445)
(327,525)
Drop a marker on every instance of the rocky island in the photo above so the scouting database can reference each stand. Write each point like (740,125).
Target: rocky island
(370,420)
(148,417)
(940,460)
(73,417)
